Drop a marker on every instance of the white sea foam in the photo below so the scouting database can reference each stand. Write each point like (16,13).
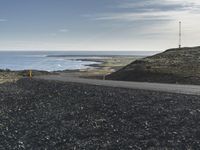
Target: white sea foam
(40,61)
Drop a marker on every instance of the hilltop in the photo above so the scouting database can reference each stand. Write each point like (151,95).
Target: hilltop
(180,65)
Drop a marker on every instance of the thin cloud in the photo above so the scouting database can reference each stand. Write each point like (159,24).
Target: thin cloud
(3,20)
(135,16)
(59,32)
(154,10)
(148,19)
(63,30)
(159,5)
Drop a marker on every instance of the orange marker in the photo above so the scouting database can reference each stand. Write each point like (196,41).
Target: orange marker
(30,73)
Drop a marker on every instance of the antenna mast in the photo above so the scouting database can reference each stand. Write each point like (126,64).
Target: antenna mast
(180,34)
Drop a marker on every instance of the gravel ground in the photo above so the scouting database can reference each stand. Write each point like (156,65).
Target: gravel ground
(36,114)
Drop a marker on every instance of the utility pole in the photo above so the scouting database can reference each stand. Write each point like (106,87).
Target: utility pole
(180,34)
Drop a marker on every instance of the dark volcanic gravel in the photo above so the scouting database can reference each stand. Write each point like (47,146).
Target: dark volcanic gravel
(36,114)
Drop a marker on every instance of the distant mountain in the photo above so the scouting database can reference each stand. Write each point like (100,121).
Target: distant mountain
(180,65)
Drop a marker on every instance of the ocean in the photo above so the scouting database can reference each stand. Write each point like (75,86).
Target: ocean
(57,60)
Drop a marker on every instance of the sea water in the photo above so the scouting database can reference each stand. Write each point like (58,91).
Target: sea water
(56,60)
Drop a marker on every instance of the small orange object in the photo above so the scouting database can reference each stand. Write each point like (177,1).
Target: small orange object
(30,73)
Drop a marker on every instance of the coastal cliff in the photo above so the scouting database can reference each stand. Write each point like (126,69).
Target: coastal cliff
(180,65)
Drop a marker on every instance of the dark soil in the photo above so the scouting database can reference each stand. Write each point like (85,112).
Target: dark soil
(157,77)
(36,114)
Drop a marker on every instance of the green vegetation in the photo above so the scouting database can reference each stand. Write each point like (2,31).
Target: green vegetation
(8,76)
(13,76)
(107,66)
(117,62)
(172,66)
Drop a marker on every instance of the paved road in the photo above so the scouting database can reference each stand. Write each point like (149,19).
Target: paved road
(173,88)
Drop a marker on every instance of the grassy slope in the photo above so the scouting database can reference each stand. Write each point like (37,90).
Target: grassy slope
(13,76)
(172,66)
(107,66)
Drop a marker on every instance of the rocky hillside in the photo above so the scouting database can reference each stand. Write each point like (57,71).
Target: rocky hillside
(172,66)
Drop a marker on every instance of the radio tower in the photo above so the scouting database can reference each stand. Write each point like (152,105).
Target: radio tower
(180,34)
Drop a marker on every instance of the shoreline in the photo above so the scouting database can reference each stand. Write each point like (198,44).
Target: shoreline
(106,66)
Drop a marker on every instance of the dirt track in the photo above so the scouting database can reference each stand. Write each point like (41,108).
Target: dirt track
(162,87)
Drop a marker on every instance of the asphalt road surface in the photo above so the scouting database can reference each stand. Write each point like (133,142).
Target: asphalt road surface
(162,87)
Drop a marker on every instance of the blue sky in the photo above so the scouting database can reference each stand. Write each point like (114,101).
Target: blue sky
(97,24)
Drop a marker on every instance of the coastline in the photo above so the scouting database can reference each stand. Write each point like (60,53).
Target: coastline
(105,66)
(105,117)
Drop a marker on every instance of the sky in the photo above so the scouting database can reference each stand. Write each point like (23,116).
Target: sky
(98,24)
